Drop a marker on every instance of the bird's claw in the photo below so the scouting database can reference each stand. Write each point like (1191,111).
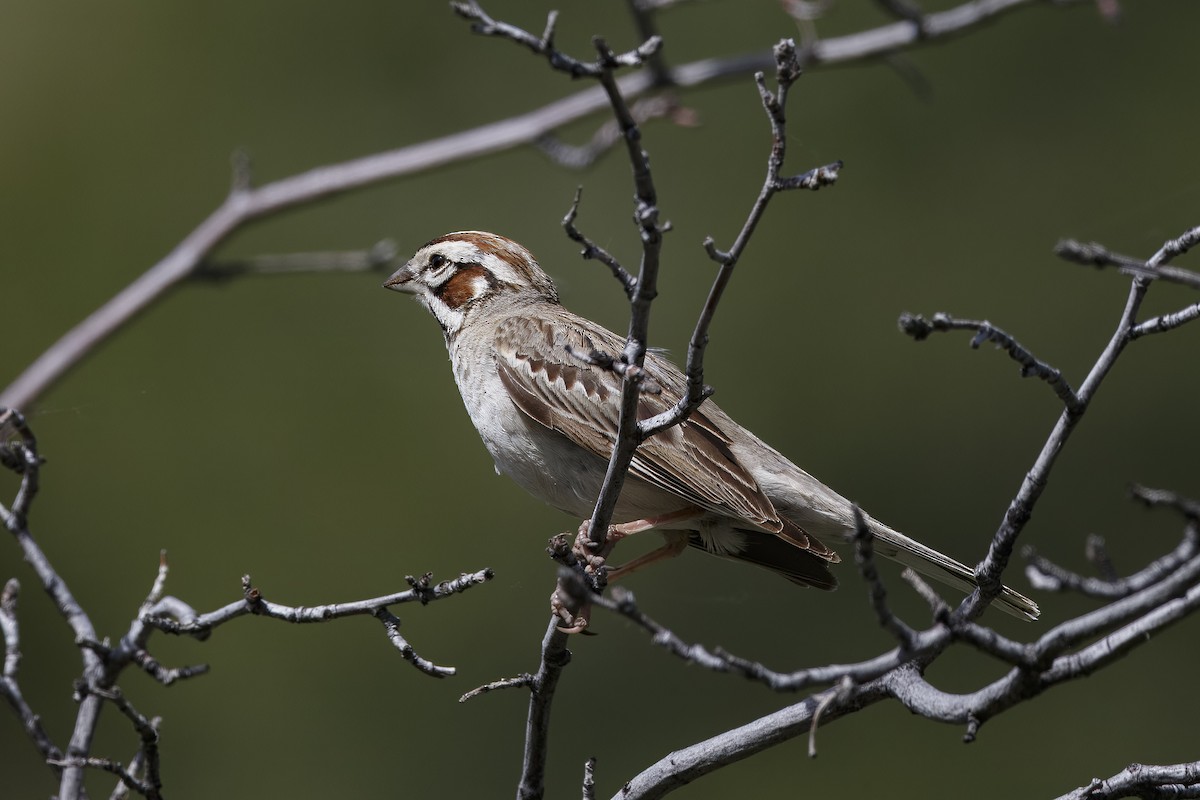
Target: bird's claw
(560,607)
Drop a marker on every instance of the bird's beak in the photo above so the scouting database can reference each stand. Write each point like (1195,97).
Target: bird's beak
(401,280)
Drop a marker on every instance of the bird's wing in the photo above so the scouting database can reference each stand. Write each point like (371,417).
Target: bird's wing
(582,402)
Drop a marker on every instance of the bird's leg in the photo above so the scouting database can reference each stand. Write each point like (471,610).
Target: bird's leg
(577,621)
(576,612)
(676,542)
(618,532)
(594,554)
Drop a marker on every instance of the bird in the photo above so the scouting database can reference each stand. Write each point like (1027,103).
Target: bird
(548,414)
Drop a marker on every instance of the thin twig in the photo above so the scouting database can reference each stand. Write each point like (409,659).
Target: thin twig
(522,681)
(1093,254)
(591,250)
(137,765)
(94,673)
(645,289)
(926,643)
(589,779)
(644,18)
(108,765)
(1095,549)
(1143,780)
(254,603)
(864,556)
(920,328)
(1048,576)
(1186,506)
(555,656)
(787,70)
(905,10)
(1166,322)
(608,135)
(824,701)
(379,258)
(9,686)
(543,45)
(938,607)
(391,625)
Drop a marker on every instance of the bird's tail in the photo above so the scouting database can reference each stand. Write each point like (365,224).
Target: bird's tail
(927,561)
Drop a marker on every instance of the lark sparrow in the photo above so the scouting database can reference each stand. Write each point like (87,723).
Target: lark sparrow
(549,420)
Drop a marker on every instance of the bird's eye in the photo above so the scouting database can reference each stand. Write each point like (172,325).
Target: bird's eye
(436,260)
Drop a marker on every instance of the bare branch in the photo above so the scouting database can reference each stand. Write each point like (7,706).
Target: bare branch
(24,457)
(1048,576)
(137,765)
(524,680)
(825,701)
(379,258)
(920,328)
(391,625)
(659,5)
(544,45)
(645,289)
(905,683)
(555,656)
(1143,780)
(253,602)
(147,758)
(608,135)
(1122,626)
(618,366)
(1095,549)
(1097,255)
(644,18)
(589,779)
(9,687)
(592,250)
(687,764)
(165,675)
(718,660)
(905,10)
(864,556)
(787,70)
(1186,506)
(1166,322)
(102,662)
(938,607)
(107,765)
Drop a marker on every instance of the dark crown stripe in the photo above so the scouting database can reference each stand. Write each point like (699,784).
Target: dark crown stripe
(508,251)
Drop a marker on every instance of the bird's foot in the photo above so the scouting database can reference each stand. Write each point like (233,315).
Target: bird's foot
(575,612)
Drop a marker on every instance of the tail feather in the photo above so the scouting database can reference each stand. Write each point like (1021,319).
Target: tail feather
(927,561)
(804,560)
(798,565)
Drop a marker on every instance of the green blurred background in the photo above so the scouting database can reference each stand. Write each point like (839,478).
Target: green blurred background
(306,429)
